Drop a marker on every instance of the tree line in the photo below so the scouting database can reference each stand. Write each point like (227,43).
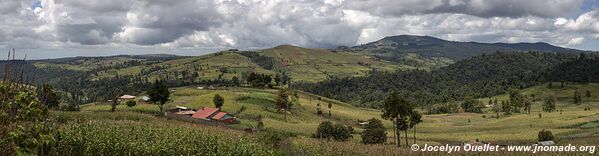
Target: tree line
(476,77)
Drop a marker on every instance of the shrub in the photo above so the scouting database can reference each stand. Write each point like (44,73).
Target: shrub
(131,103)
(326,130)
(450,107)
(545,135)
(473,106)
(374,132)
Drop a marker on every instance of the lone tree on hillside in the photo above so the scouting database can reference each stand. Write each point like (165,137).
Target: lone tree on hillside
(549,104)
(330,106)
(577,97)
(158,94)
(284,101)
(374,132)
(218,101)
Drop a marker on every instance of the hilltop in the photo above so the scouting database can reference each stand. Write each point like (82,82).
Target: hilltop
(393,47)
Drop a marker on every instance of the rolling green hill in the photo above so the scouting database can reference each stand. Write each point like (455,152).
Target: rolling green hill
(301,64)
(394,47)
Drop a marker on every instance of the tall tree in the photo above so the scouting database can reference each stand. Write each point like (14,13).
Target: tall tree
(159,94)
(397,110)
(517,100)
(415,119)
(218,100)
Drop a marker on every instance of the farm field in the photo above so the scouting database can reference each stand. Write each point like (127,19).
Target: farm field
(573,124)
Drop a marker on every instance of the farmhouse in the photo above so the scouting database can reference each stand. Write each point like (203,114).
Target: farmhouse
(214,114)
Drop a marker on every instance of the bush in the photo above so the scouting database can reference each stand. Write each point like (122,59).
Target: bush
(326,130)
(450,107)
(374,132)
(131,103)
(473,106)
(545,135)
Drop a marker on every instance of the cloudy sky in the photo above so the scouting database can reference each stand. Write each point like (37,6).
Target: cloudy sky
(59,28)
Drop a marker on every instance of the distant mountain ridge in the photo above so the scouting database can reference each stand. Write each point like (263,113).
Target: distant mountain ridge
(426,46)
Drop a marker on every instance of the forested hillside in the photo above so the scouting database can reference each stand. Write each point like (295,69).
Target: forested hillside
(480,76)
(395,47)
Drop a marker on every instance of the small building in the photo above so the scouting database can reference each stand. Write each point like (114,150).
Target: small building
(214,114)
(125,98)
(179,110)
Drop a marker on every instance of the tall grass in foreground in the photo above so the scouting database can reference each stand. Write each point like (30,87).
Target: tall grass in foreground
(134,134)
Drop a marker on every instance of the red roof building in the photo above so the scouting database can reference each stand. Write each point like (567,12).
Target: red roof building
(214,114)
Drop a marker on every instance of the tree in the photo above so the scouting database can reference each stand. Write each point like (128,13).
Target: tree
(472,105)
(284,101)
(577,97)
(527,104)
(330,106)
(415,119)
(48,97)
(549,104)
(496,108)
(235,80)
(517,100)
(374,132)
(588,93)
(506,107)
(218,101)
(158,94)
(397,110)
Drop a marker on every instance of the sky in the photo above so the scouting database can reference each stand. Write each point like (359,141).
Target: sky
(67,28)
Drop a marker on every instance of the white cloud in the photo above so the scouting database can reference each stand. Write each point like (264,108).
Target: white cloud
(575,41)
(257,24)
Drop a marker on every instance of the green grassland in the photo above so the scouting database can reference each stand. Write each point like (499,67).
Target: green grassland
(302,64)
(208,67)
(573,124)
(312,65)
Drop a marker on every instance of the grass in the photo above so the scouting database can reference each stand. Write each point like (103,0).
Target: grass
(572,126)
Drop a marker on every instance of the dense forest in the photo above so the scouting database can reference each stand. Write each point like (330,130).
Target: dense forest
(479,76)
